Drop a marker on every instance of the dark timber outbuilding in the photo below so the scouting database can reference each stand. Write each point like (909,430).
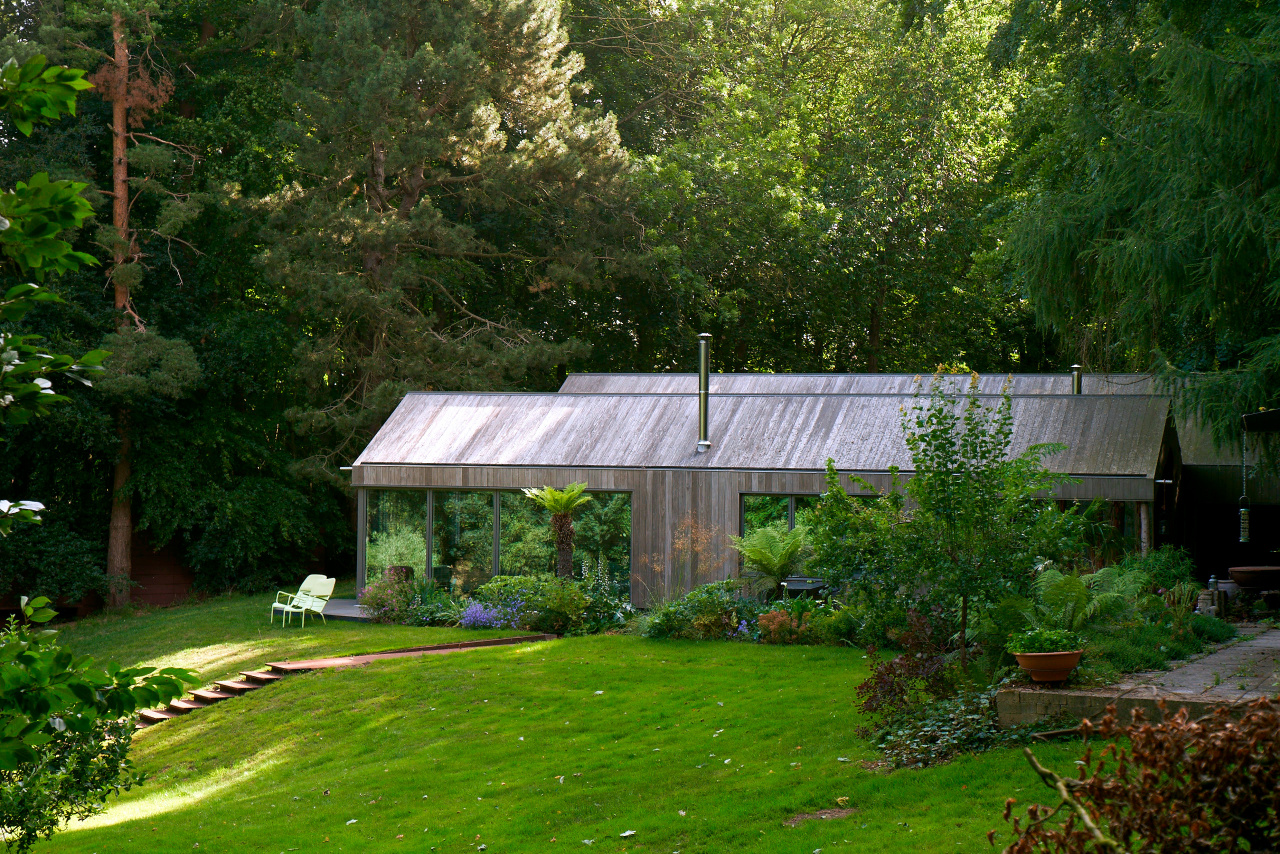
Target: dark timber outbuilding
(769,434)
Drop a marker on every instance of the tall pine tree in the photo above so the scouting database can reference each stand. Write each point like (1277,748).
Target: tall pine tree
(444,158)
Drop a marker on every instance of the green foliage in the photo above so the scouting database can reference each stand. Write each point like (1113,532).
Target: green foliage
(1166,566)
(398,546)
(388,599)
(433,607)
(50,560)
(546,603)
(980,516)
(559,502)
(25,388)
(770,554)
(61,751)
(713,611)
(1145,229)
(1072,602)
(1211,629)
(800,620)
(33,92)
(853,537)
(1045,640)
(941,729)
(32,216)
(144,364)
(70,778)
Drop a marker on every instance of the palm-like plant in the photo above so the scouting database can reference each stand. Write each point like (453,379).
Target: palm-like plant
(770,554)
(561,503)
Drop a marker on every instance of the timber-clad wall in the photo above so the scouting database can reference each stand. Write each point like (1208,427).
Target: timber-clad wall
(669,508)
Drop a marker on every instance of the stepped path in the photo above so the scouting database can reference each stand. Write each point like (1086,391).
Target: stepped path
(274,671)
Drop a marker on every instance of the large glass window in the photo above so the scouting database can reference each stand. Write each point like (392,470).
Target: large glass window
(791,510)
(527,545)
(462,539)
(602,538)
(461,549)
(396,530)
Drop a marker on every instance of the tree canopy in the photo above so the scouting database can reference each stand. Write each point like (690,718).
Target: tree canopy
(326,205)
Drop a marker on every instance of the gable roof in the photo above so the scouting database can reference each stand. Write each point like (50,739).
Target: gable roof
(1105,435)
(850,383)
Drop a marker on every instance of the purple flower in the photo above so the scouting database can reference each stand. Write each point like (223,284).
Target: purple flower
(478,615)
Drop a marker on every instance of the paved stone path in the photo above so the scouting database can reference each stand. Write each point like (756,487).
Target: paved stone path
(1237,673)
(1234,674)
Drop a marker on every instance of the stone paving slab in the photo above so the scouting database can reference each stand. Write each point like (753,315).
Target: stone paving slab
(1233,674)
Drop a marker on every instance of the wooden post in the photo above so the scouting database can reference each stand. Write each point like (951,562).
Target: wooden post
(1144,526)
(497,531)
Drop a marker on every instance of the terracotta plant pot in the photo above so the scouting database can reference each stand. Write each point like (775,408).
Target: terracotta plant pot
(1049,666)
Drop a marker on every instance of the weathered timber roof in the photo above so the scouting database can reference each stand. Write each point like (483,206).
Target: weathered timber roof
(1194,439)
(1105,435)
(850,383)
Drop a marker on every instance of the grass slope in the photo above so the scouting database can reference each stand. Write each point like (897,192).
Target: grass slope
(515,748)
(221,636)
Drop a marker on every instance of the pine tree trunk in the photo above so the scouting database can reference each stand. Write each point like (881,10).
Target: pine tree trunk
(120,542)
(562,524)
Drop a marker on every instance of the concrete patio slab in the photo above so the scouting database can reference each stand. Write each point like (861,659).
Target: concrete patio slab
(344,609)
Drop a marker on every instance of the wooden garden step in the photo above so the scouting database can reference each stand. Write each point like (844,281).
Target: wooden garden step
(260,676)
(237,686)
(155,716)
(287,667)
(183,706)
(211,696)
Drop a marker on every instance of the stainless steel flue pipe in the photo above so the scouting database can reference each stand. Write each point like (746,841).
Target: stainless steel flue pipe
(704,391)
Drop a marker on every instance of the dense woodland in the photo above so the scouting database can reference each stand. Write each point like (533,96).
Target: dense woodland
(321,205)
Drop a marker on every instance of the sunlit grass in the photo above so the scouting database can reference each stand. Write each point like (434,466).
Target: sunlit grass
(221,636)
(569,740)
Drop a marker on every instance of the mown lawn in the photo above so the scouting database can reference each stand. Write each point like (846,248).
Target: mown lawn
(221,636)
(697,747)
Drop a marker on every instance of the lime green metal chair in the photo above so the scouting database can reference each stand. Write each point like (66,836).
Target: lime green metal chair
(312,596)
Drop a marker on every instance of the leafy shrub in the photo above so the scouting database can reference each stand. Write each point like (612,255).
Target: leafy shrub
(1045,640)
(546,603)
(1072,601)
(1165,566)
(940,729)
(1181,785)
(1211,629)
(52,560)
(1135,645)
(911,678)
(433,607)
(853,537)
(711,612)
(387,599)
(837,626)
(608,606)
(777,627)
